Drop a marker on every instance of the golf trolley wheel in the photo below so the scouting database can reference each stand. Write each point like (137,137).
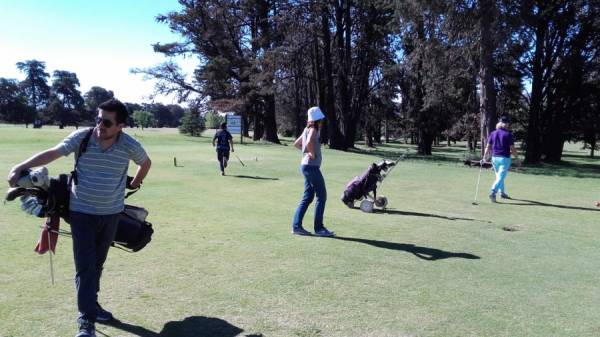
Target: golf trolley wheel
(381,202)
(366,206)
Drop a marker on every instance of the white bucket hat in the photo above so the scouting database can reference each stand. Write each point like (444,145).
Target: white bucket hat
(315,114)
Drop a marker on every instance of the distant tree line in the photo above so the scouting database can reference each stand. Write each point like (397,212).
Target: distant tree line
(60,102)
(426,70)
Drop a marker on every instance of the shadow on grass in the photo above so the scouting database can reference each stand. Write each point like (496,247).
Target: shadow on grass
(425,253)
(253,177)
(390,211)
(393,153)
(576,165)
(525,202)
(193,326)
(564,168)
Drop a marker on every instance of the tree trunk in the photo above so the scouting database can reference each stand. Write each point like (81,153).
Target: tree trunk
(270,124)
(342,73)
(377,132)
(336,139)
(264,24)
(246,125)
(533,153)
(553,149)
(487,100)
(425,142)
(297,109)
(258,127)
(369,136)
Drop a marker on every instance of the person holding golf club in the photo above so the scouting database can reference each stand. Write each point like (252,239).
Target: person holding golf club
(224,142)
(501,145)
(314,183)
(96,199)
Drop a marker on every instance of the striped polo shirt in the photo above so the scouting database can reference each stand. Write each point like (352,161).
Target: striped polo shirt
(101,175)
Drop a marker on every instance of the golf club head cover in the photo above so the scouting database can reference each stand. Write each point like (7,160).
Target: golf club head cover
(14,193)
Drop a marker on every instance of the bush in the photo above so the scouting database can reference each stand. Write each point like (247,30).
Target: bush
(192,124)
(213,120)
(143,118)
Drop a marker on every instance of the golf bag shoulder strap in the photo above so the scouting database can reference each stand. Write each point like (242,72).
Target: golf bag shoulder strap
(84,144)
(82,148)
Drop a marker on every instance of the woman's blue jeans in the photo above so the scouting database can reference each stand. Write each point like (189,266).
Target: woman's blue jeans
(313,184)
(501,166)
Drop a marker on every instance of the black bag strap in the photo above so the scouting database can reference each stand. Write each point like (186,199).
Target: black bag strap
(82,148)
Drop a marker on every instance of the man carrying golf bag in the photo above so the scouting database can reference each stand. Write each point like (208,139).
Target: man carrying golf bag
(97,193)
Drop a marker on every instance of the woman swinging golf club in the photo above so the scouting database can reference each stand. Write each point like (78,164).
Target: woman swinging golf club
(501,144)
(310,144)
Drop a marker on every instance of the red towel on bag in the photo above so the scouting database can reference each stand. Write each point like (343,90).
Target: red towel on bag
(49,236)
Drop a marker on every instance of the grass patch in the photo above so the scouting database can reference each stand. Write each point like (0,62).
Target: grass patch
(223,263)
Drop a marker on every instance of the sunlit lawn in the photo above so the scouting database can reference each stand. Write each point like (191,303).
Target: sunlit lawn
(223,263)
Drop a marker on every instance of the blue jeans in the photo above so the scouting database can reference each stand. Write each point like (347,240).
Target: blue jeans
(313,184)
(92,236)
(501,166)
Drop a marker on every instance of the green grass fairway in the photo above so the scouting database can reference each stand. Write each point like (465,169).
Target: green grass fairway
(222,261)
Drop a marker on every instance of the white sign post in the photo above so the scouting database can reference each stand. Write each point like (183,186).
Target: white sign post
(234,126)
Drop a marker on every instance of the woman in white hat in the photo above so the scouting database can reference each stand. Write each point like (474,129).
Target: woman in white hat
(310,144)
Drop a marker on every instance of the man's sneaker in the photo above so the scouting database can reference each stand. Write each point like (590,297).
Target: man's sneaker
(493,197)
(300,231)
(504,196)
(102,315)
(324,232)
(86,329)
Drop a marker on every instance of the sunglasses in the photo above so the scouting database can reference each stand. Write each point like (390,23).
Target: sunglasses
(107,123)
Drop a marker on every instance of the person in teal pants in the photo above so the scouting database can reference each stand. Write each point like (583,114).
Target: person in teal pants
(501,145)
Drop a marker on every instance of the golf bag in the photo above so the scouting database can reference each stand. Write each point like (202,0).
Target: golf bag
(47,197)
(133,232)
(361,187)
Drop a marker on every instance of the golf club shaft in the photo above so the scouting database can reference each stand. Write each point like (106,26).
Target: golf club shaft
(50,253)
(238,158)
(477,186)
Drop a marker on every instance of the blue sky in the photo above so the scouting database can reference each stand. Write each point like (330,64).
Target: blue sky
(98,40)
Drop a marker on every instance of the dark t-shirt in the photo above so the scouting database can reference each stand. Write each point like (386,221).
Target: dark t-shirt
(223,137)
(501,141)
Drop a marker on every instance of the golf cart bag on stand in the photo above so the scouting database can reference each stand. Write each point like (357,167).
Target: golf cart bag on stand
(361,187)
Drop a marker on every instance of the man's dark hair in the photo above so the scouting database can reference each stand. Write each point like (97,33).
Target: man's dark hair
(223,126)
(114,105)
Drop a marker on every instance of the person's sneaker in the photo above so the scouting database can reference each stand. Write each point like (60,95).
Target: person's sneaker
(300,231)
(324,232)
(102,315)
(493,197)
(222,173)
(504,196)
(86,329)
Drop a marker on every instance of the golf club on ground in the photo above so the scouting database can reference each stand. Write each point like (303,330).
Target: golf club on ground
(238,158)
(477,186)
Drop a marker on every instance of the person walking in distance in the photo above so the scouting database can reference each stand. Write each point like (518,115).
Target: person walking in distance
(224,142)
